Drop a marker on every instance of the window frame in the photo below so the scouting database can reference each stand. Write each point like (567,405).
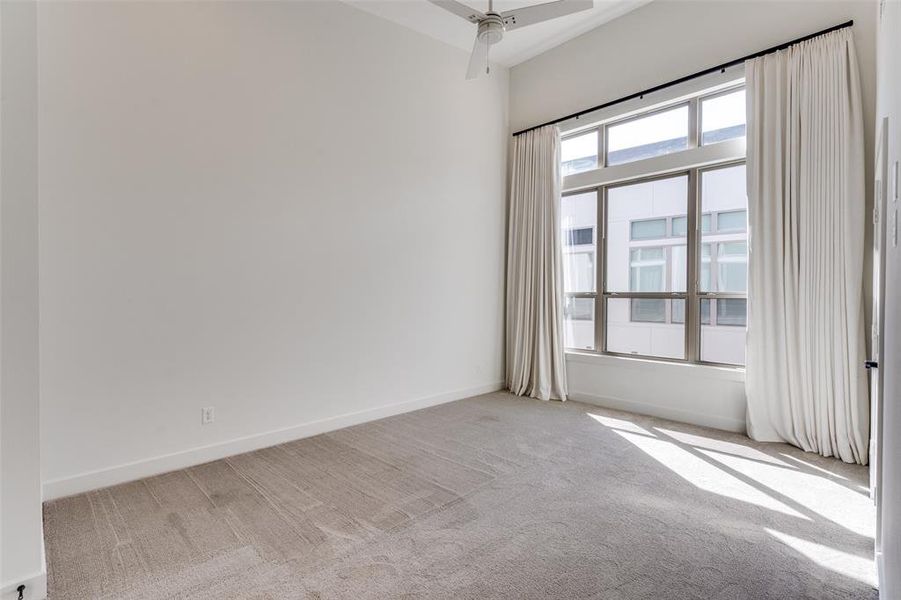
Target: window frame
(603,295)
(694,170)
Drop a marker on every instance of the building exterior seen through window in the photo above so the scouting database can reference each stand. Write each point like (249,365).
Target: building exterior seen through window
(630,286)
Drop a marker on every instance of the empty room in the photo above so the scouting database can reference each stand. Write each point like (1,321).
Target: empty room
(439,299)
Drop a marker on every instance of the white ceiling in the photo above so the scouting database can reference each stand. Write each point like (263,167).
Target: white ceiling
(518,45)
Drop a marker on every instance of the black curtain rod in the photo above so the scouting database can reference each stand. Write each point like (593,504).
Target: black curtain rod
(707,71)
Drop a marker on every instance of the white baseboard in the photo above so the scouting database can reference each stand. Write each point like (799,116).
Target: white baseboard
(35,588)
(723,422)
(92,480)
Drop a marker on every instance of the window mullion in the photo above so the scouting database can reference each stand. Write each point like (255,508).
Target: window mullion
(600,307)
(692,308)
(602,147)
(692,235)
(694,124)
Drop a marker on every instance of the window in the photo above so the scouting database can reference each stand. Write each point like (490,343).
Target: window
(579,309)
(723,117)
(732,311)
(579,153)
(704,279)
(732,262)
(648,310)
(578,222)
(642,322)
(580,237)
(660,132)
(733,220)
(657,266)
(579,214)
(680,225)
(637,212)
(724,273)
(578,319)
(723,336)
(639,327)
(648,230)
(647,269)
(578,269)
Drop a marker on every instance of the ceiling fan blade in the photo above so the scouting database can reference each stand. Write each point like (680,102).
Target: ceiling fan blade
(478,60)
(461,10)
(529,15)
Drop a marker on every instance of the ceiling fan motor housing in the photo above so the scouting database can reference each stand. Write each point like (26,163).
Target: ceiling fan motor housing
(491,29)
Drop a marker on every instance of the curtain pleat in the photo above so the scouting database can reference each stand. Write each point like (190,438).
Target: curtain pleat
(805,379)
(534,335)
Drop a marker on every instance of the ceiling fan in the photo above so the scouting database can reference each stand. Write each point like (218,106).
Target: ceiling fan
(492,25)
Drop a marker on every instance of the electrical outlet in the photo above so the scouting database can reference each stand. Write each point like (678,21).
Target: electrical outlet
(207,415)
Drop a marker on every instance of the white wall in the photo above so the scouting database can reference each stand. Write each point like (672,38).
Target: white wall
(293,211)
(889,105)
(21,539)
(656,43)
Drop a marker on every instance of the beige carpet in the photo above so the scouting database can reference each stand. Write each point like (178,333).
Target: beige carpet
(489,497)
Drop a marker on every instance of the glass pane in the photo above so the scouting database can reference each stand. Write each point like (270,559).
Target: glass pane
(723,117)
(680,225)
(636,214)
(579,220)
(578,271)
(678,259)
(678,315)
(724,342)
(733,249)
(578,323)
(648,230)
(657,134)
(732,311)
(647,310)
(724,252)
(732,264)
(644,327)
(579,237)
(734,220)
(649,254)
(705,267)
(579,153)
(678,308)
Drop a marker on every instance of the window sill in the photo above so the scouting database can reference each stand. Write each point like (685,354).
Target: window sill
(736,374)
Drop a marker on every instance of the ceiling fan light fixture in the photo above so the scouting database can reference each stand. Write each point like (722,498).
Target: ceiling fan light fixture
(491,29)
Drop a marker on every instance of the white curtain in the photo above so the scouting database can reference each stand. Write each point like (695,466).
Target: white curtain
(805,381)
(535,359)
